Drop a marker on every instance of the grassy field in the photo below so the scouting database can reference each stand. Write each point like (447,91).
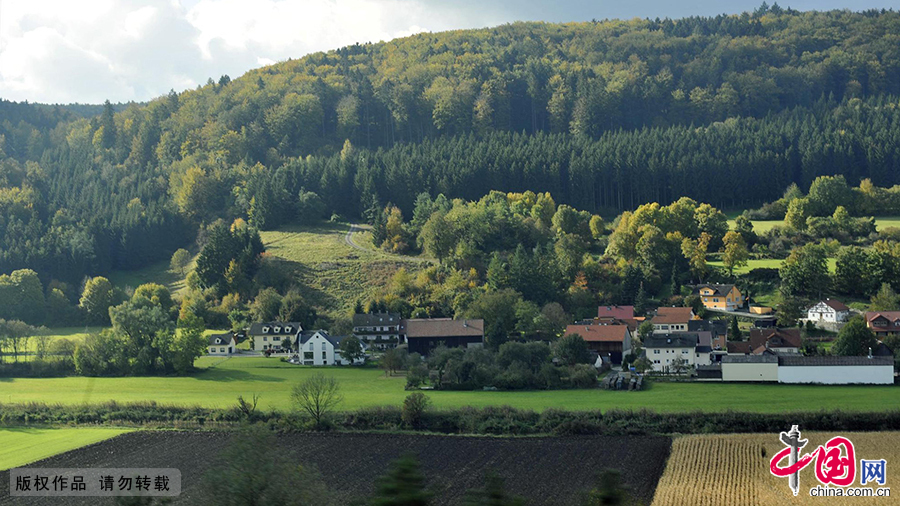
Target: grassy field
(763,226)
(767,263)
(20,446)
(224,379)
(734,469)
(154,273)
(332,274)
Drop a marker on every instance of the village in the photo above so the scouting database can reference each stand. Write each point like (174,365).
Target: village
(668,342)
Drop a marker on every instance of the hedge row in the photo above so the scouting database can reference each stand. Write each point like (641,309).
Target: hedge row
(502,420)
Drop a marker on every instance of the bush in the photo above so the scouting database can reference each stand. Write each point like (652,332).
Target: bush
(414,406)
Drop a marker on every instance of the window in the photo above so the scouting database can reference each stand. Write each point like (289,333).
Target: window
(656,352)
(323,346)
(684,351)
(276,338)
(221,350)
(307,355)
(656,361)
(716,299)
(324,355)
(265,338)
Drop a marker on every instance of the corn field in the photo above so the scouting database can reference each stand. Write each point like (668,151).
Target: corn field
(733,469)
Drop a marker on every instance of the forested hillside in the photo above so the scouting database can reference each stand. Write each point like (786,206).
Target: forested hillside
(605,116)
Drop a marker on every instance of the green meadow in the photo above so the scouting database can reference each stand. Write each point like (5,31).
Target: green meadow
(224,379)
(21,445)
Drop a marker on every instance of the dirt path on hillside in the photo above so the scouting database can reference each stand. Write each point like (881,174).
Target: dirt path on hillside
(348,238)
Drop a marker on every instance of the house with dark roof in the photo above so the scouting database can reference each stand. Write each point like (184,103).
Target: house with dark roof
(720,297)
(718,330)
(378,330)
(611,342)
(222,344)
(672,319)
(662,350)
(424,334)
(274,336)
(883,323)
(828,310)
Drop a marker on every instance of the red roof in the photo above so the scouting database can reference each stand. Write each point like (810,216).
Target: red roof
(836,305)
(889,317)
(618,312)
(599,333)
(442,327)
(774,338)
(673,315)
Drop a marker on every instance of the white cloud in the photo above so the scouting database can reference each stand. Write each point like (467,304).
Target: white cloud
(88,51)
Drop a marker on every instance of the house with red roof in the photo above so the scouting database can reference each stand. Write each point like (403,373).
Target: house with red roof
(611,342)
(767,341)
(883,323)
(672,319)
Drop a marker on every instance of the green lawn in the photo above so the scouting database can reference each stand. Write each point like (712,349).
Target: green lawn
(20,446)
(332,274)
(763,226)
(887,221)
(225,379)
(767,263)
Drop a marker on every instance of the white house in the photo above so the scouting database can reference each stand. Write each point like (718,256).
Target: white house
(222,344)
(828,310)
(318,348)
(272,336)
(663,349)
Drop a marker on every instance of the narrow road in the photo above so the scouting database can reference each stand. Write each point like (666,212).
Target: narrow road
(349,238)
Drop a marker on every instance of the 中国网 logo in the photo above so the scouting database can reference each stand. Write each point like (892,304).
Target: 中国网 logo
(835,466)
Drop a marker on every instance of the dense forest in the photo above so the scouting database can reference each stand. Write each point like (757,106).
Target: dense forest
(604,115)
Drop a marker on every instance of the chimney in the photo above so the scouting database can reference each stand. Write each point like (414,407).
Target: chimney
(466,323)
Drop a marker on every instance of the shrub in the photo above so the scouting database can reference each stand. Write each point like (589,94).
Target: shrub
(414,406)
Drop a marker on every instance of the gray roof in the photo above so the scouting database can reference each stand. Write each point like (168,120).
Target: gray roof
(679,340)
(374,319)
(717,326)
(256,329)
(750,359)
(796,361)
(704,349)
(220,339)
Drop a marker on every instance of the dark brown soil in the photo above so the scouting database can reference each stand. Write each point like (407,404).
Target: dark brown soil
(551,471)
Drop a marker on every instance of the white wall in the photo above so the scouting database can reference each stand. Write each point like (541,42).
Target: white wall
(837,375)
(739,371)
(315,344)
(667,355)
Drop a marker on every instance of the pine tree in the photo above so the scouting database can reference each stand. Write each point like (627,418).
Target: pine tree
(640,301)
(403,485)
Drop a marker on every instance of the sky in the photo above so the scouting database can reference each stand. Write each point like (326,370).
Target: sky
(66,51)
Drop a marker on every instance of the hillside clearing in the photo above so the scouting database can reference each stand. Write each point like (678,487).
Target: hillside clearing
(332,274)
